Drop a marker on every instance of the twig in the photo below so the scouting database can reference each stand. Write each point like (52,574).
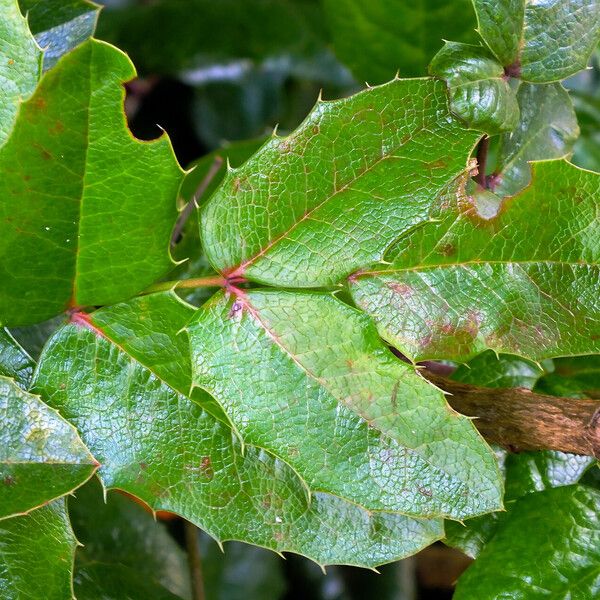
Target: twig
(193,203)
(482,154)
(194,560)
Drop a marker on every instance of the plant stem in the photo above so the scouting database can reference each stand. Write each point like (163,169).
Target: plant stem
(194,560)
(193,203)
(482,154)
(210,281)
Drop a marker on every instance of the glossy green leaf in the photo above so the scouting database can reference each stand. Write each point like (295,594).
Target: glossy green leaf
(309,208)
(60,25)
(307,378)
(479,92)
(542,41)
(36,555)
(81,220)
(578,376)
(378,38)
(127,383)
(41,455)
(120,533)
(14,361)
(547,129)
(20,64)
(99,581)
(548,547)
(521,282)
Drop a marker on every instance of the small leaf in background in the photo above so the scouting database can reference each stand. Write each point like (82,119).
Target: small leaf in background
(14,361)
(122,376)
(306,377)
(121,534)
(548,546)
(41,455)
(59,26)
(524,281)
(547,129)
(81,221)
(542,41)
(378,38)
(309,208)
(479,92)
(577,376)
(20,65)
(36,555)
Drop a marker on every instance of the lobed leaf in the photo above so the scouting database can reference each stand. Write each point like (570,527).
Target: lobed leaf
(122,376)
(308,209)
(20,65)
(81,220)
(479,92)
(36,555)
(308,379)
(541,41)
(41,455)
(522,280)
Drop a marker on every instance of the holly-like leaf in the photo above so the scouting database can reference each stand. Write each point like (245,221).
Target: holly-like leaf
(542,41)
(523,281)
(60,26)
(41,455)
(82,221)
(547,129)
(548,546)
(20,64)
(308,209)
(14,361)
(122,376)
(120,533)
(36,555)
(479,92)
(307,378)
(378,38)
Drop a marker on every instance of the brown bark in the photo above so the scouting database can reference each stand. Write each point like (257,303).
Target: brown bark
(519,419)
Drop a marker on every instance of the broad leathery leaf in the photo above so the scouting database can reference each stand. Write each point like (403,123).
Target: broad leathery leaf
(33,337)
(36,555)
(547,129)
(548,546)
(127,376)
(307,377)
(479,92)
(41,455)
(97,580)
(20,64)
(524,281)
(542,41)
(119,532)
(14,361)
(309,208)
(58,247)
(60,26)
(378,38)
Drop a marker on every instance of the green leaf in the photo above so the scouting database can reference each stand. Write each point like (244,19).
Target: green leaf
(59,25)
(479,92)
(20,65)
(81,221)
(36,555)
(41,455)
(307,378)
(127,376)
(120,533)
(547,129)
(378,38)
(14,361)
(308,209)
(549,546)
(541,41)
(521,282)
(578,376)
(98,581)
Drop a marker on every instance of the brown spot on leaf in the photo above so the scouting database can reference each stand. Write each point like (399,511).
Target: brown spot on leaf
(400,288)
(9,480)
